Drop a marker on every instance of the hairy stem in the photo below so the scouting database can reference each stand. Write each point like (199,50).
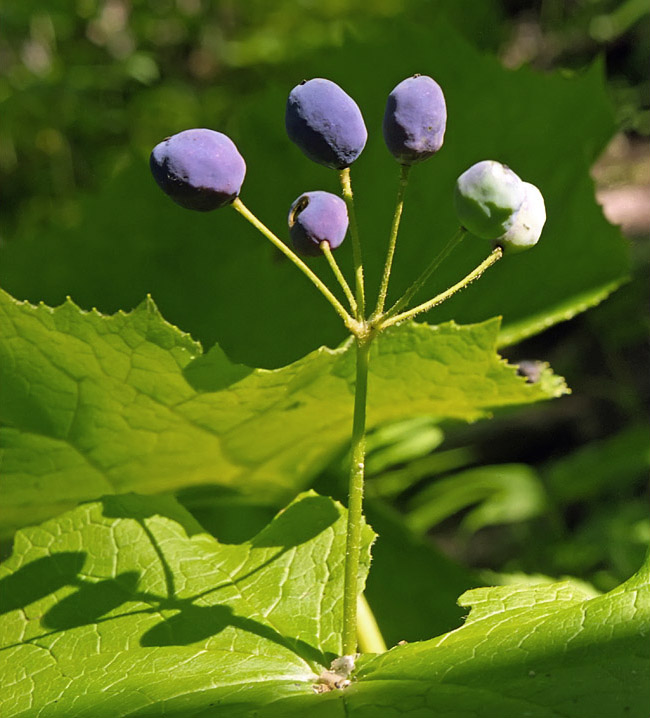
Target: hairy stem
(493,257)
(349,322)
(355,500)
(327,251)
(360,291)
(425,276)
(392,240)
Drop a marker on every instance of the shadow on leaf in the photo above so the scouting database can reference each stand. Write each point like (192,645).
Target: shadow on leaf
(188,619)
(40,578)
(92,601)
(198,623)
(298,523)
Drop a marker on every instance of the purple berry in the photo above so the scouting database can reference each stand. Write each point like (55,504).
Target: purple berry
(325,123)
(316,217)
(199,169)
(415,119)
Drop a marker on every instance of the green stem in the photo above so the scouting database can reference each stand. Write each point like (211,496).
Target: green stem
(368,633)
(279,244)
(493,257)
(355,501)
(392,240)
(327,251)
(346,187)
(424,277)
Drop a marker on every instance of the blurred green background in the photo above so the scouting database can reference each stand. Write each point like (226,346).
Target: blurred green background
(88,87)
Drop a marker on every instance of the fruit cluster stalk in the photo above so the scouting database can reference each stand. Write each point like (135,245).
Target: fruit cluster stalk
(355,501)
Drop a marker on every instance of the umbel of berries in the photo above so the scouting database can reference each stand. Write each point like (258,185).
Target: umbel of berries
(415,119)
(493,202)
(199,169)
(317,217)
(325,123)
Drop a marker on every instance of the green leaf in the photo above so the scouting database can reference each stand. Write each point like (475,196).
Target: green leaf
(611,466)
(401,443)
(124,607)
(125,604)
(537,651)
(95,404)
(213,274)
(504,493)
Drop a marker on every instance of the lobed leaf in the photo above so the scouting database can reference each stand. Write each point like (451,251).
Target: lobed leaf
(123,605)
(539,651)
(125,608)
(95,404)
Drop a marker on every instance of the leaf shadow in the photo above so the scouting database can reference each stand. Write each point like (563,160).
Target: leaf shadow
(91,602)
(299,523)
(196,623)
(214,371)
(98,602)
(39,579)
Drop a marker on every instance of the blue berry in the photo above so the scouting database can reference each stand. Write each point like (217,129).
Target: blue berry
(487,198)
(415,119)
(325,123)
(199,169)
(316,217)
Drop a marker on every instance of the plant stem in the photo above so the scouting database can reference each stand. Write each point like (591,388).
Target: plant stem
(370,638)
(392,240)
(493,257)
(327,251)
(346,187)
(355,500)
(424,277)
(279,244)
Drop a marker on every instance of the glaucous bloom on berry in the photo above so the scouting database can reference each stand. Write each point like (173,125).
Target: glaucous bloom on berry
(317,217)
(325,123)
(415,119)
(199,169)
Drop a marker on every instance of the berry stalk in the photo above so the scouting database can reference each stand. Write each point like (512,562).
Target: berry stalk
(392,240)
(346,187)
(349,322)
(424,277)
(327,251)
(355,501)
(492,258)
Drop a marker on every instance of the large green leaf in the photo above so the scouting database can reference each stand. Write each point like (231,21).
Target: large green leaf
(542,651)
(94,404)
(125,603)
(499,494)
(125,607)
(213,274)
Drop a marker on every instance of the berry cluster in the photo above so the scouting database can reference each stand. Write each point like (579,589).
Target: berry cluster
(202,169)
